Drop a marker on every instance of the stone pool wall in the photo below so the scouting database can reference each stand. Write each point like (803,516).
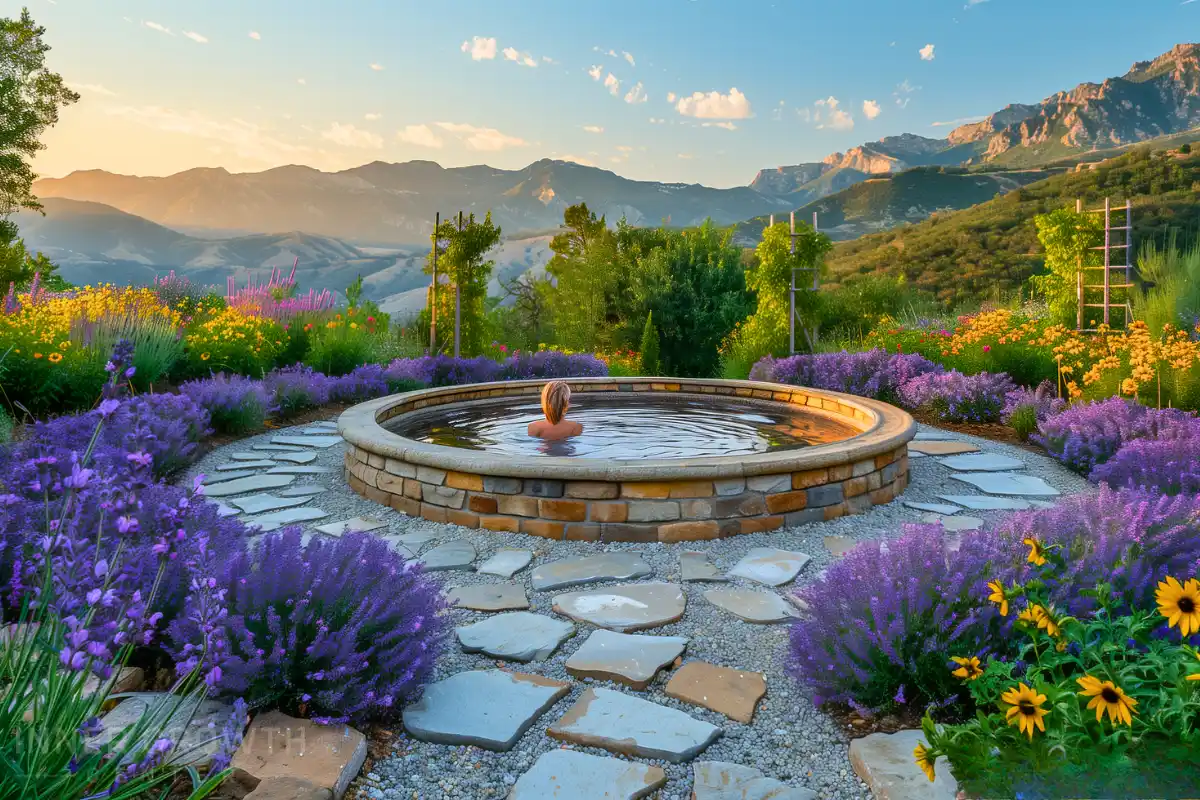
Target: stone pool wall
(659,500)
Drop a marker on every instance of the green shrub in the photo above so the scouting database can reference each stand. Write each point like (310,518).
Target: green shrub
(340,345)
(1023,421)
(650,362)
(6,426)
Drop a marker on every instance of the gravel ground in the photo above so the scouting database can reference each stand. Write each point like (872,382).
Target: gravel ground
(789,738)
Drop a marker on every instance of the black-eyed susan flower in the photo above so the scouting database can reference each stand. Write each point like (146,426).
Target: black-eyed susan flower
(1106,696)
(1047,620)
(1195,677)
(204,356)
(1037,553)
(968,667)
(921,755)
(55,358)
(998,596)
(1180,604)
(1025,709)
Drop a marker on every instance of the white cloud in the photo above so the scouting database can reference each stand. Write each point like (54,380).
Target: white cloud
(612,84)
(484,139)
(804,114)
(245,139)
(301,81)
(729,126)
(420,135)
(972,3)
(624,148)
(577,160)
(256,36)
(903,90)
(512,54)
(871,109)
(593,129)
(481,48)
(350,136)
(596,71)
(92,88)
(154,26)
(657,120)
(548,59)
(196,37)
(686,156)
(670,97)
(955,122)
(926,52)
(377,67)
(830,117)
(715,105)
(372,116)
(636,94)
(629,57)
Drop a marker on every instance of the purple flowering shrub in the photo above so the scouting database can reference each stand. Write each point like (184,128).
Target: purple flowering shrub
(888,617)
(955,397)
(346,627)
(292,390)
(1088,434)
(364,382)
(444,370)
(1169,466)
(872,373)
(235,404)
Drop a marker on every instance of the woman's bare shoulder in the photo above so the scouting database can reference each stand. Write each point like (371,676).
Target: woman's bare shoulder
(536,428)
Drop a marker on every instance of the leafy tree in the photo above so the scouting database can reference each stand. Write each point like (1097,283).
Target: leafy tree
(649,349)
(525,322)
(580,228)
(30,97)
(1067,236)
(354,292)
(1185,148)
(462,257)
(18,265)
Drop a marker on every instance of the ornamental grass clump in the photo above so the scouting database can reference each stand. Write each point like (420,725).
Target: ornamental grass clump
(344,629)
(1088,434)
(1025,409)
(955,397)
(1101,704)
(872,373)
(235,404)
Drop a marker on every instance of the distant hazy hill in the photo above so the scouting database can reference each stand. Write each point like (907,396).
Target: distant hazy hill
(393,204)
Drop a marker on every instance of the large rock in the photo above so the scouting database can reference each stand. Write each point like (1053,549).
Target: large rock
(457,554)
(572,775)
(589,569)
(751,605)
(626,658)
(884,762)
(289,789)
(634,727)
(190,725)
(506,562)
(485,708)
(279,746)
(631,607)
(519,636)
(488,597)
(695,566)
(721,780)
(1007,483)
(732,692)
(770,566)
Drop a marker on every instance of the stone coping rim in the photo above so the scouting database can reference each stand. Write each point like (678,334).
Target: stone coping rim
(889,429)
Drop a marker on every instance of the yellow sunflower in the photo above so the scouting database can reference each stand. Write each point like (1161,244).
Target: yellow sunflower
(1180,604)
(1195,677)
(1106,696)
(924,761)
(1025,709)
(1046,621)
(968,668)
(998,596)
(1037,554)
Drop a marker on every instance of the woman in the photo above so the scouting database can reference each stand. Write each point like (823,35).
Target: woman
(556,399)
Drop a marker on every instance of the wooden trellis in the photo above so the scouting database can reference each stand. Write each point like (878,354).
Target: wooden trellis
(1114,273)
(804,279)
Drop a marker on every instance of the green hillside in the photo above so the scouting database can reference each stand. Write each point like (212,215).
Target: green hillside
(969,255)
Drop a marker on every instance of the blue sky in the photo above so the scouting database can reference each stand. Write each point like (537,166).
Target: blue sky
(701,91)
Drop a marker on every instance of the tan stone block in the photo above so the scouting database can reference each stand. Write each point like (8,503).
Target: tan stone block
(770,483)
(609,512)
(582,532)
(405,506)
(859,505)
(355,484)
(760,524)
(729,527)
(787,501)
(401,468)
(390,483)
(660,491)
(835,511)
(874,481)
(377,495)
(854,487)
(375,460)
(464,480)
(412,488)
(653,511)
(865,467)
(812,477)
(433,513)
(506,524)
(689,531)
(518,505)
(541,527)
(731,692)
(482,504)
(431,475)
(841,472)
(463,518)
(729,486)
(691,489)
(443,496)
(883,495)
(624,532)
(566,510)
(592,490)
(883,460)
(311,757)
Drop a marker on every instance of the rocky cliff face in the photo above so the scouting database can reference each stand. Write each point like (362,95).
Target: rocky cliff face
(783,180)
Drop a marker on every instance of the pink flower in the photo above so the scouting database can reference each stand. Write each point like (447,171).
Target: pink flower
(987,348)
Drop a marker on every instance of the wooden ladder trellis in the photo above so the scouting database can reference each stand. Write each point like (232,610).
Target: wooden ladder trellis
(804,279)
(1125,267)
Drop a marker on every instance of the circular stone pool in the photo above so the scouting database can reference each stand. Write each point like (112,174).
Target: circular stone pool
(657,461)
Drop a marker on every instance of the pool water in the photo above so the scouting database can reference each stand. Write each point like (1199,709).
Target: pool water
(631,426)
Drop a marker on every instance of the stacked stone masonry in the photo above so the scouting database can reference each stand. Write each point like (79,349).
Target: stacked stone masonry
(670,510)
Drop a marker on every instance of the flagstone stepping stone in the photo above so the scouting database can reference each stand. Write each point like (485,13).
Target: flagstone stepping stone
(695,566)
(941,448)
(279,746)
(277,470)
(1042,504)
(506,562)
(457,554)
(407,552)
(319,430)
(631,607)
(484,708)
(519,636)
(189,725)
(327,424)
(963,523)
(628,658)
(721,780)
(934,508)
(276,448)
(616,566)
(751,605)
(303,490)
(305,440)
(247,456)
(247,483)
(933,436)
(769,566)
(258,503)
(1007,483)
(489,597)
(732,692)
(571,775)
(982,462)
(288,516)
(217,477)
(631,726)
(884,762)
(917,454)
(226,511)
(234,466)
(415,540)
(356,525)
(295,458)
(840,545)
(980,502)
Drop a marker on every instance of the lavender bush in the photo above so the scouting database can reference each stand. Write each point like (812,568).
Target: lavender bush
(873,373)
(364,382)
(1025,409)
(235,404)
(295,389)
(1089,434)
(449,371)
(955,397)
(345,627)
(887,618)
(1169,466)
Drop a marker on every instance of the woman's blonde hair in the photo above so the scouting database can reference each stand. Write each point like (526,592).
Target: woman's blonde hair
(556,396)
